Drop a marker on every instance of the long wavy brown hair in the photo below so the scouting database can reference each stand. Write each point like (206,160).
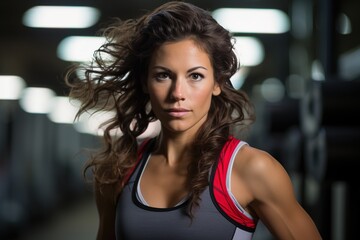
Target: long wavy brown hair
(114,82)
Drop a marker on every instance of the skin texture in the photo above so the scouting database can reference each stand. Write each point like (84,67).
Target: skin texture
(181,85)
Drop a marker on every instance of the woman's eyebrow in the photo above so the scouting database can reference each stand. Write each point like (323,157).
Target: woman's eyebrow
(161,67)
(194,68)
(190,70)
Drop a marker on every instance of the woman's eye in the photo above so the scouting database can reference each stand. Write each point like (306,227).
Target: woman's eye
(196,76)
(162,76)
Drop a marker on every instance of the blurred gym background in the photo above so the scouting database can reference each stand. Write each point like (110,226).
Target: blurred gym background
(300,65)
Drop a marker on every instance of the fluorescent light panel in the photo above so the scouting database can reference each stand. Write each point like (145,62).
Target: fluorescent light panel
(61,17)
(251,20)
(79,48)
(11,87)
(37,100)
(90,122)
(63,110)
(249,50)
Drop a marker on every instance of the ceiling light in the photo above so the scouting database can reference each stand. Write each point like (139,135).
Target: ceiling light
(90,122)
(61,17)
(249,50)
(11,87)
(37,100)
(63,110)
(79,48)
(251,20)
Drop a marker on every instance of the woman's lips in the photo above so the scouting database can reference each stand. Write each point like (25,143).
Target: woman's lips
(177,112)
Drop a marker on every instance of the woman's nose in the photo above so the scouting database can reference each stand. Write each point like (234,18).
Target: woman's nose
(177,91)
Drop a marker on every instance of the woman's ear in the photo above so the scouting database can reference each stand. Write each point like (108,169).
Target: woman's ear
(216,90)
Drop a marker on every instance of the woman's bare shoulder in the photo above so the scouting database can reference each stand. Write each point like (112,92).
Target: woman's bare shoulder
(255,161)
(261,172)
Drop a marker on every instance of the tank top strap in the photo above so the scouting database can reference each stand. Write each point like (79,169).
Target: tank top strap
(219,187)
(142,149)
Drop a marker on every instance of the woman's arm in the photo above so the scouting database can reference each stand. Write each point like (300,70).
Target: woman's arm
(106,209)
(273,198)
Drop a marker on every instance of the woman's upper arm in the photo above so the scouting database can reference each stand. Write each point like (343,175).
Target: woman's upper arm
(106,208)
(274,200)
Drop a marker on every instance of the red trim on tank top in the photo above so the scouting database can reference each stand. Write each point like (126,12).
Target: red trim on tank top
(220,192)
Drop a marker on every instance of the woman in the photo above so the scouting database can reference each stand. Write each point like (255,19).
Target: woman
(194,180)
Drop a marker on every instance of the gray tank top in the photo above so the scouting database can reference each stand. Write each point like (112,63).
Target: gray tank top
(136,221)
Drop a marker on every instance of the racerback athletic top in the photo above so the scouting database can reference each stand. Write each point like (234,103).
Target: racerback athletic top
(218,216)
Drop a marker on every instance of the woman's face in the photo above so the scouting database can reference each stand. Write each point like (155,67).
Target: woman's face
(180,84)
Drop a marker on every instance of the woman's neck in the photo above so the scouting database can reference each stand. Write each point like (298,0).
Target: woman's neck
(176,149)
